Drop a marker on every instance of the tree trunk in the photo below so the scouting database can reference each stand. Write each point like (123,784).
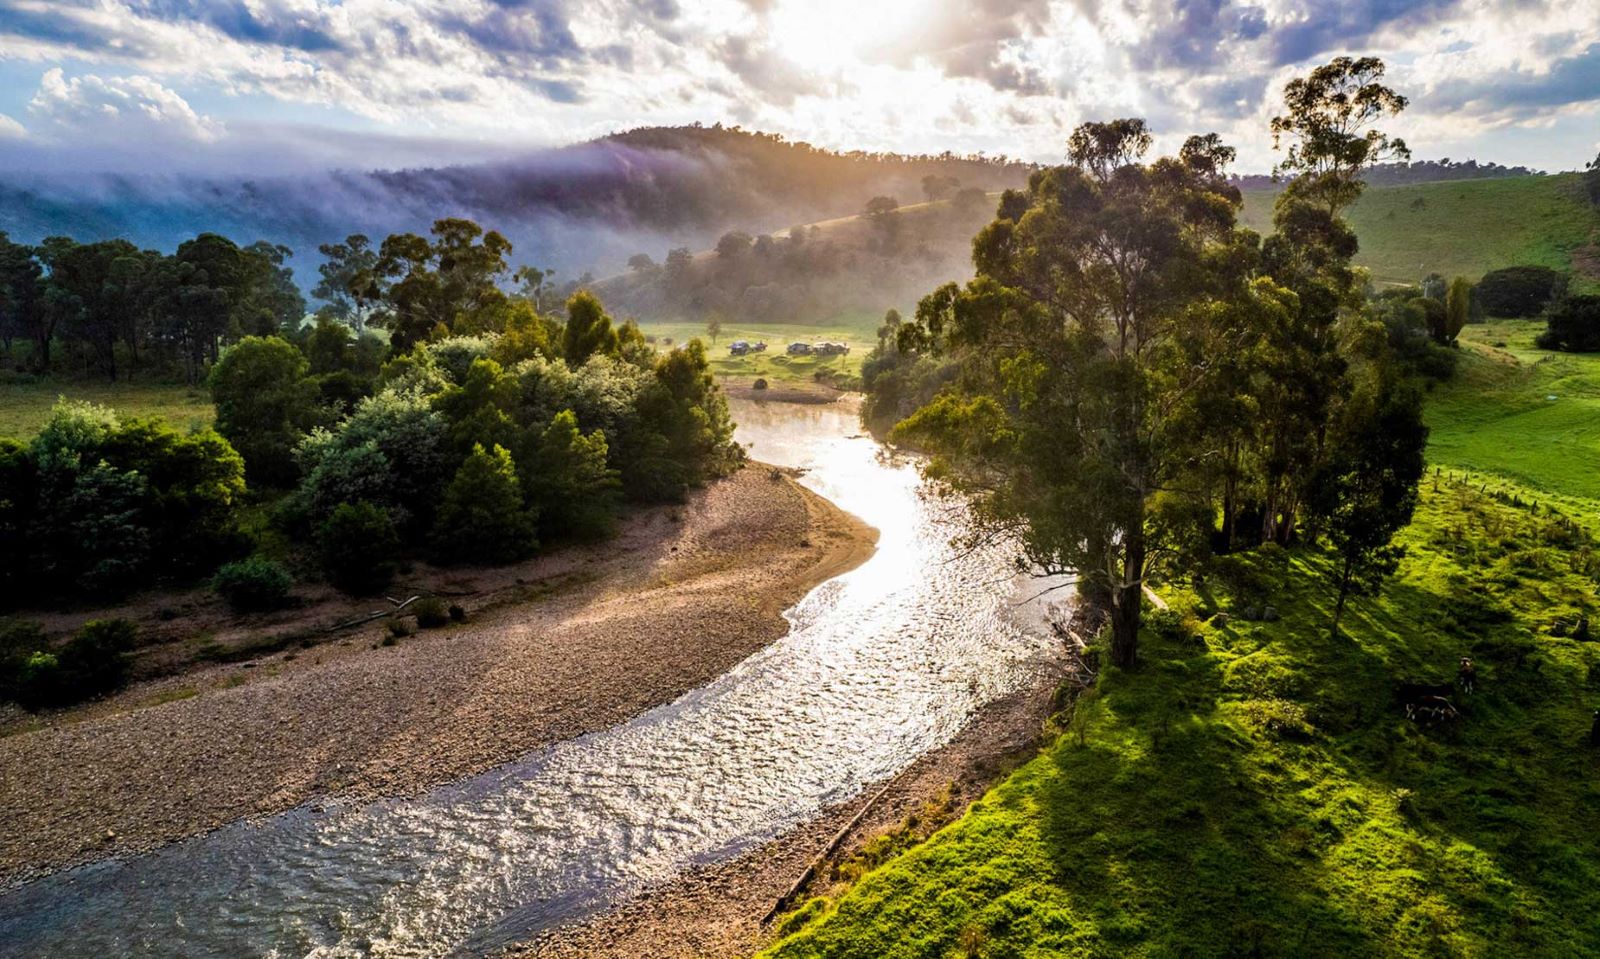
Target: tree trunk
(1344,594)
(1127,602)
(1126,608)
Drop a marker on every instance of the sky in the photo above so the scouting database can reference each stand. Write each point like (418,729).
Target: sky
(274,86)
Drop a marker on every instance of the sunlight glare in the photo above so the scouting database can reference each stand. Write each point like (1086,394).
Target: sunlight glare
(832,34)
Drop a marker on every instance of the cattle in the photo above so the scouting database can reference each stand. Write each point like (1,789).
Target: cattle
(1594,731)
(1467,676)
(1413,697)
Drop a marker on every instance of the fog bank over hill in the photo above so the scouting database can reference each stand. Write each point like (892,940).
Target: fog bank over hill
(587,206)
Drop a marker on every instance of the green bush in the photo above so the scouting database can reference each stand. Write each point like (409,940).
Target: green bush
(1520,290)
(252,584)
(398,629)
(431,612)
(95,660)
(19,640)
(358,548)
(1573,325)
(92,663)
(482,518)
(41,682)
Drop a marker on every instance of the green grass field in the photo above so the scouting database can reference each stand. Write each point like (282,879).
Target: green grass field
(1252,790)
(1461,228)
(859,331)
(25,402)
(1521,413)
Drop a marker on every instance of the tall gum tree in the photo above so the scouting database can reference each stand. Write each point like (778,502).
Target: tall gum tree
(1105,296)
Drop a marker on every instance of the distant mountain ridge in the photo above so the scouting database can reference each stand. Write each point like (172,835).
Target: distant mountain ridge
(576,207)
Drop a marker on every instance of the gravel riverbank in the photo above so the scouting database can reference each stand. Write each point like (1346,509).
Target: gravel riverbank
(555,648)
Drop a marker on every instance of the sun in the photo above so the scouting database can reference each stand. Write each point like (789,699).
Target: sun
(833,34)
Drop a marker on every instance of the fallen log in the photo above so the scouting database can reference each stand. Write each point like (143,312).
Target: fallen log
(827,852)
(360,620)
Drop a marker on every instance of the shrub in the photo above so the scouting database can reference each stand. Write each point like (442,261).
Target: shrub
(482,517)
(265,403)
(252,584)
(19,640)
(1573,325)
(1520,290)
(430,612)
(759,384)
(357,547)
(398,628)
(93,662)
(458,613)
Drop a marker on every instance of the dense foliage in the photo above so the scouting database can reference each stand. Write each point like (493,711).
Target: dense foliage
(1138,381)
(118,308)
(1573,325)
(93,662)
(1520,290)
(253,584)
(95,506)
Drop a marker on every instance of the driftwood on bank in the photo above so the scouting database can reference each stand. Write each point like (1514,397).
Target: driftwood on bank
(785,900)
(360,620)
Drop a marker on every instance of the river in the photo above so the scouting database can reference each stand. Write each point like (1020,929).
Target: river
(881,665)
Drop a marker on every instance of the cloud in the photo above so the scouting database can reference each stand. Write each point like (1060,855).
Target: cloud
(1319,26)
(259,21)
(1567,81)
(10,129)
(976,39)
(765,70)
(93,108)
(890,74)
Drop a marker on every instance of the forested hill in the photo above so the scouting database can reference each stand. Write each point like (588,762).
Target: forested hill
(572,208)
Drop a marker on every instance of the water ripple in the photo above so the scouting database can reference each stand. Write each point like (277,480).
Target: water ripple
(881,665)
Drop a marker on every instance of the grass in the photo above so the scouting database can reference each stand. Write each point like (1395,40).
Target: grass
(25,401)
(1462,228)
(859,331)
(1252,790)
(1521,413)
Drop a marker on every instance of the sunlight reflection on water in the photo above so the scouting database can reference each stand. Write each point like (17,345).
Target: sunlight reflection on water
(881,665)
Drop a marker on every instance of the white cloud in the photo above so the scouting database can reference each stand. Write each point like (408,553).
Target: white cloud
(998,75)
(98,109)
(10,129)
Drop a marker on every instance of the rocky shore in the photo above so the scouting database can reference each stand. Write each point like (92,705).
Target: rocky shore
(554,648)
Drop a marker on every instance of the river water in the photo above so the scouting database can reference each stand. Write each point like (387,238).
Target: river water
(882,664)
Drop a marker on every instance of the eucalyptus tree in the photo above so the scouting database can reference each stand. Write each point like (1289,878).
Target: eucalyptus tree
(1106,297)
(1329,127)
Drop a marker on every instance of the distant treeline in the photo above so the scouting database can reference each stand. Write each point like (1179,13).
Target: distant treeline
(116,308)
(569,207)
(1421,171)
(886,255)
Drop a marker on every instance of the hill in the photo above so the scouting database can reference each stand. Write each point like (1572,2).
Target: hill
(586,205)
(861,264)
(1465,227)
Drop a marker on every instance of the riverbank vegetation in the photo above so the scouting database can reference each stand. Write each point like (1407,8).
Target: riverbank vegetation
(1135,381)
(474,429)
(1252,789)
(1248,783)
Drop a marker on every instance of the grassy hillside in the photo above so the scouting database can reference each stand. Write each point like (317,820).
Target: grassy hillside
(1523,413)
(1462,227)
(1251,790)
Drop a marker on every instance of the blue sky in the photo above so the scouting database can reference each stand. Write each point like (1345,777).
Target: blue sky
(271,86)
